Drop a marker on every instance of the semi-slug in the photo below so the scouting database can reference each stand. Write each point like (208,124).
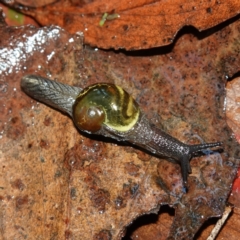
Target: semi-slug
(107,109)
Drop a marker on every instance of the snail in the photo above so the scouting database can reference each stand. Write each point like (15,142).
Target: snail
(107,109)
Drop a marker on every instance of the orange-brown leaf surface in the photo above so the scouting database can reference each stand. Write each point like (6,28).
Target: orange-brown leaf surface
(30,3)
(133,24)
(57,183)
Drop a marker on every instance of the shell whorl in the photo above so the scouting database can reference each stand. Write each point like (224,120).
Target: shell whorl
(105,104)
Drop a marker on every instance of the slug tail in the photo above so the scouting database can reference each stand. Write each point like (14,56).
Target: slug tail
(58,95)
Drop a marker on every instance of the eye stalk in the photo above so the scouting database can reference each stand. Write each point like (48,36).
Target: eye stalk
(108,110)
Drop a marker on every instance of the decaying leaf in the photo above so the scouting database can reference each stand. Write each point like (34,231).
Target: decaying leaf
(15,18)
(30,3)
(140,25)
(232,114)
(57,183)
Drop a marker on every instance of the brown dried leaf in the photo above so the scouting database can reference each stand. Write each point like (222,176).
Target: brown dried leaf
(159,229)
(57,183)
(230,228)
(30,3)
(140,25)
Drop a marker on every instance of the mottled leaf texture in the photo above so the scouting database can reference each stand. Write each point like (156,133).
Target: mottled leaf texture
(132,24)
(57,183)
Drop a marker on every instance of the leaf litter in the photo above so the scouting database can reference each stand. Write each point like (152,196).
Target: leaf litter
(87,182)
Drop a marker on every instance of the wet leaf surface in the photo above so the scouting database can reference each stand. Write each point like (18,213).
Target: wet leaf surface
(132,24)
(57,183)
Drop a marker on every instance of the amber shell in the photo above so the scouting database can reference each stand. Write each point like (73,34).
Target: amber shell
(105,104)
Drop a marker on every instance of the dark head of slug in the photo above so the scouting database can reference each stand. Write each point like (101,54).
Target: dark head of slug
(105,104)
(185,159)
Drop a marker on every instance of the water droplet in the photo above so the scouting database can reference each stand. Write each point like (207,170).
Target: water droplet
(79,210)
(49,74)
(50,55)
(71,161)
(118,202)
(71,40)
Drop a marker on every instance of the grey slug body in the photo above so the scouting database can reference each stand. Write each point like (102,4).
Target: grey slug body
(108,110)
